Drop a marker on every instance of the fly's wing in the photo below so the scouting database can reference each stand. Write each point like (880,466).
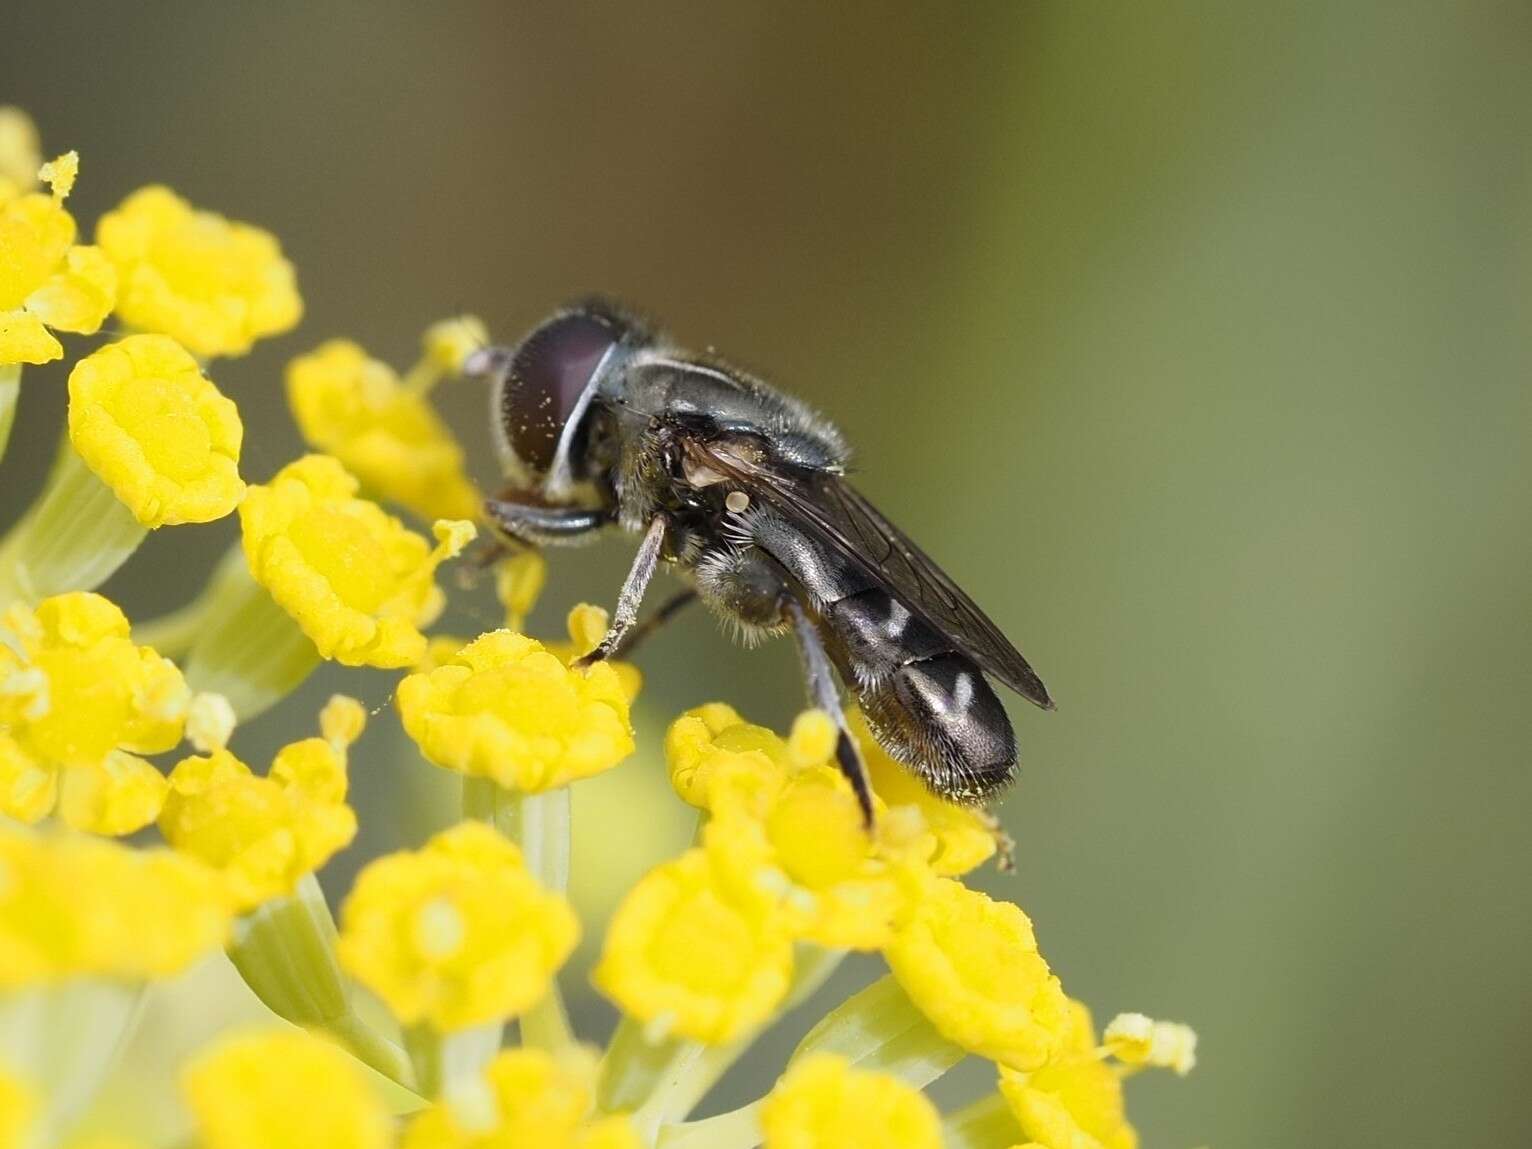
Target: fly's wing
(841,519)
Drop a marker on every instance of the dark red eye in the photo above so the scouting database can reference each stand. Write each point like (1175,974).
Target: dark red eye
(548,374)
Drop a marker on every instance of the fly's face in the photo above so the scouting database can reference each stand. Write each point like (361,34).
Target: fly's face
(542,397)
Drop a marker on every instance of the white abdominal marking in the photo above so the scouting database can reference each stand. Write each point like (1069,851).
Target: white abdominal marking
(962,692)
(898,618)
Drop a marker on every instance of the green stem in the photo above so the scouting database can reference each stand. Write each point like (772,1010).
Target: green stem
(424,1045)
(812,967)
(10,391)
(285,951)
(73,537)
(250,650)
(634,1066)
(986,1124)
(174,634)
(881,1029)
(540,825)
(737,1129)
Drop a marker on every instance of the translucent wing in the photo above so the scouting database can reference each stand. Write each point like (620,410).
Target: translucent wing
(831,509)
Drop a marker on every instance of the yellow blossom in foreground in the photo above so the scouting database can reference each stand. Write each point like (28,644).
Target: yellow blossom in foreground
(46,279)
(971,965)
(692,955)
(77,906)
(457,933)
(844,890)
(77,696)
(1075,1101)
(263,834)
(1138,1040)
(823,1103)
(714,739)
(149,423)
(213,285)
(504,707)
(356,580)
(17,1102)
(355,408)
(963,839)
(20,152)
(526,1100)
(283,1090)
(448,342)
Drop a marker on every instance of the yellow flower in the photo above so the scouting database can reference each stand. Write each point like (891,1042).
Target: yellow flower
(714,739)
(76,695)
(213,285)
(388,436)
(18,1104)
(823,1103)
(283,1090)
(504,707)
(448,342)
(971,965)
(46,279)
(76,906)
(146,420)
(519,580)
(526,1100)
(1138,1040)
(355,579)
(844,890)
(456,934)
(20,152)
(264,834)
(692,955)
(1073,1102)
(963,838)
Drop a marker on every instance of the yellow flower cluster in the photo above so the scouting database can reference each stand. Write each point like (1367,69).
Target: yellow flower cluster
(149,423)
(785,858)
(504,707)
(273,1090)
(472,928)
(357,581)
(457,933)
(78,703)
(261,835)
(46,279)
(385,433)
(77,906)
(212,285)
(526,1098)
(822,1101)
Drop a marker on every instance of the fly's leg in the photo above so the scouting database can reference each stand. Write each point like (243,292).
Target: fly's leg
(535,525)
(671,607)
(631,595)
(824,694)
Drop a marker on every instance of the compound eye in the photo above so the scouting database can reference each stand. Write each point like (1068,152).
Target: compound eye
(548,374)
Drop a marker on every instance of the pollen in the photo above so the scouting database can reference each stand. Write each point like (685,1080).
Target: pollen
(737,501)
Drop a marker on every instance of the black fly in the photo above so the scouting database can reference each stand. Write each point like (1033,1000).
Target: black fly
(600,421)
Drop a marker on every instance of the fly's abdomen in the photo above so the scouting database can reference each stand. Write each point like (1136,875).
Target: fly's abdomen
(927,703)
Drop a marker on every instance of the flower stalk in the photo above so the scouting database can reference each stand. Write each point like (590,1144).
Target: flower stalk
(248,648)
(540,825)
(285,951)
(10,392)
(74,537)
(985,1124)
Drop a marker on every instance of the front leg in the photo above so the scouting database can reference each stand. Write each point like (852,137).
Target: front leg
(536,525)
(631,595)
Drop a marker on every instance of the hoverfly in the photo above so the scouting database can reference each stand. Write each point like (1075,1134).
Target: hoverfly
(601,421)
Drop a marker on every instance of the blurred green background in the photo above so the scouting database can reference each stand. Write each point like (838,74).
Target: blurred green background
(1192,338)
